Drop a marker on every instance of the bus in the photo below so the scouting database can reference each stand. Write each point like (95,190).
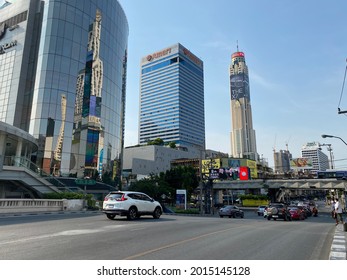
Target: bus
(332,174)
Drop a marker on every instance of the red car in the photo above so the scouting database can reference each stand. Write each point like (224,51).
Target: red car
(296,213)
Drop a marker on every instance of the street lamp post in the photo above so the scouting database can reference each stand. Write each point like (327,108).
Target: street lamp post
(332,136)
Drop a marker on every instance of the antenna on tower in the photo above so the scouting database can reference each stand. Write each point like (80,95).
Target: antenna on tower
(237,45)
(343,86)
(274,146)
(287,143)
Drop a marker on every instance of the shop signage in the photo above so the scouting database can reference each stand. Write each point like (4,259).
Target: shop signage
(150,57)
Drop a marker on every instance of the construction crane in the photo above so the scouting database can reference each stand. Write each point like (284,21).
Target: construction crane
(330,149)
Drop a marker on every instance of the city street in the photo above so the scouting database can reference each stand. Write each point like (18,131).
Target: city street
(91,236)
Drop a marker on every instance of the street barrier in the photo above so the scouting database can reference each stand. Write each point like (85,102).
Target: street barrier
(39,205)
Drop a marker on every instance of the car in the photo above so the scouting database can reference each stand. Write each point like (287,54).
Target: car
(261,210)
(231,211)
(296,213)
(278,211)
(130,204)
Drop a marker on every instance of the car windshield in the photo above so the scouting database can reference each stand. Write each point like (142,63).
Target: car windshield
(115,196)
(277,205)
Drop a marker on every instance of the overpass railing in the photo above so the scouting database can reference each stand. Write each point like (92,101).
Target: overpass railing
(40,205)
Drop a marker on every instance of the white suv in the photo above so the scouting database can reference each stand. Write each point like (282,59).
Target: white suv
(130,204)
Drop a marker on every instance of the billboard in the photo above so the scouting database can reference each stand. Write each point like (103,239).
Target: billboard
(301,163)
(239,86)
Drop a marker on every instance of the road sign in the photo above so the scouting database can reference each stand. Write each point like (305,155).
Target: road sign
(85,182)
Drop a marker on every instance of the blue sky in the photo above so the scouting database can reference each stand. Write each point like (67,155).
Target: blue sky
(295,51)
(296,55)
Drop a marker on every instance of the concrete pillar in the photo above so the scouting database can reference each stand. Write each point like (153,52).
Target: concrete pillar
(2,149)
(19,151)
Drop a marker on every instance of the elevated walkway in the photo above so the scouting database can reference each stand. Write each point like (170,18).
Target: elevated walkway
(303,184)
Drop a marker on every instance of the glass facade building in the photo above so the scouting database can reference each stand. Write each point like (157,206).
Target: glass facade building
(63,79)
(172,98)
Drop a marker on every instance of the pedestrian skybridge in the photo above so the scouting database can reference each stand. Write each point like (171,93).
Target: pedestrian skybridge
(303,184)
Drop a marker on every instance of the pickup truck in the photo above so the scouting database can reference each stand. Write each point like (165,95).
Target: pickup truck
(278,211)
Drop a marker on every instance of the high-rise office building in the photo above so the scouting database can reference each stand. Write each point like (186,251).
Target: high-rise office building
(63,79)
(313,151)
(243,142)
(172,98)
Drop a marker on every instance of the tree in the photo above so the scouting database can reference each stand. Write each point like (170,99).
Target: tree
(157,141)
(182,177)
(172,145)
(154,186)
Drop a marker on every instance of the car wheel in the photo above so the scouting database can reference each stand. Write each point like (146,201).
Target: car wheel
(268,218)
(234,215)
(157,213)
(242,215)
(132,215)
(221,216)
(110,216)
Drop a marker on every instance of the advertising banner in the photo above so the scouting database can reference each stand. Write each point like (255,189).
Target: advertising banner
(239,86)
(244,173)
(301,163)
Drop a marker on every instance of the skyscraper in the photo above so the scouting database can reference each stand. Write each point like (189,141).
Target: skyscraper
(243,142)
(172,98)
(313,151)
(63,79)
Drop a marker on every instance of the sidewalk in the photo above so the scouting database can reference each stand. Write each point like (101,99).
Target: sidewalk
(339,247)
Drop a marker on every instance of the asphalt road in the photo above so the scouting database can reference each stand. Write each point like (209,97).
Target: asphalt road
(93,237)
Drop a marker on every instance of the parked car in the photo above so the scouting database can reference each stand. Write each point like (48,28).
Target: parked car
(130,204)
(278,211)
(296,213)
(261,210)
(231,211)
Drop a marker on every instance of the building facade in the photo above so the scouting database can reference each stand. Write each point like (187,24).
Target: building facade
(282,161)
(243,141)
(142,161)
(312,151)
(172,98)
(63,79)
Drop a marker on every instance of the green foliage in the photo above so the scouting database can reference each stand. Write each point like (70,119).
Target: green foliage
(188,211)
(153,186)
(157,141)
(67,195)
(167,183)
(172,145)
(106,178)
(182,177)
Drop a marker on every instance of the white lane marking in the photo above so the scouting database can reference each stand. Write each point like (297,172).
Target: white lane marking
(63,233)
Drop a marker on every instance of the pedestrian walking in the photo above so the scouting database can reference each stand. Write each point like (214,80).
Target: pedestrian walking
(338,212)
(332,208)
